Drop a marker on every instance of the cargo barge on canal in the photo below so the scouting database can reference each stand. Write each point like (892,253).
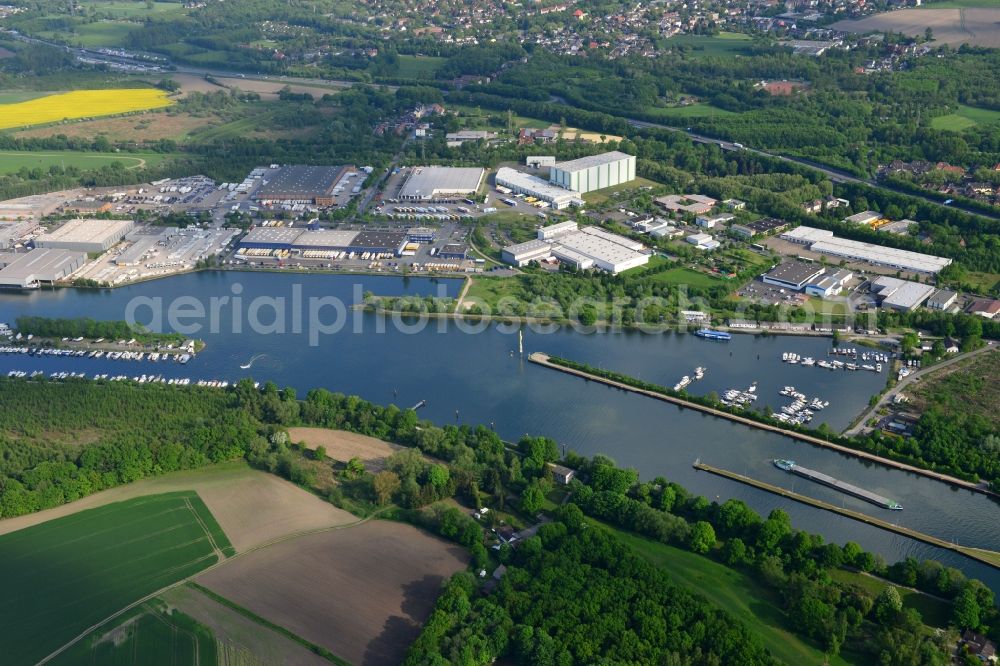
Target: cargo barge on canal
(836,484)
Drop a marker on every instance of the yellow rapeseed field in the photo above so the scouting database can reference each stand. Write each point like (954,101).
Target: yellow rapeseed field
(80,104)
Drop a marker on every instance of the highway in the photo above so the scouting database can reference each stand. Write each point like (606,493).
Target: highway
(834,175)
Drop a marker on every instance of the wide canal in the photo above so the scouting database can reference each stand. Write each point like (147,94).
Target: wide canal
(479,377)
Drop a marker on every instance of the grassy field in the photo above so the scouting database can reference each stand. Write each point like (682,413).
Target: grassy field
(935,612)
(150,635)
(598,197)
(67,574)
(698,110)
(964,118)
(122,9)
(81,104)
(93,35)
(968,388)
(478,118)
(14,96)
(723,44)
(490,290)
(12,161)
(418,67)
(689,277)
(985,283)
(734,592)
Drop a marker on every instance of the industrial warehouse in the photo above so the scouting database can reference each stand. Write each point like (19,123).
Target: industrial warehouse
(584,248)
(436,183)
(284,239)
(85,235)
(824,242)
(11,233)
(595,172)
(318,185)
(533,186)
(37,267)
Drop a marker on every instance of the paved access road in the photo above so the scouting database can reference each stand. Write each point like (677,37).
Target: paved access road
(860,426)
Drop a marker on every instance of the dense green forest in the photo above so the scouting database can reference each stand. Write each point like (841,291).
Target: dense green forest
(91,329)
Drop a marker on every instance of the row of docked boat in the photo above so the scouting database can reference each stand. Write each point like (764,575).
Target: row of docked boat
(139,379)
(795,359)
(863,355)
(738,398)
(686,380)
(96,354)
(801,410)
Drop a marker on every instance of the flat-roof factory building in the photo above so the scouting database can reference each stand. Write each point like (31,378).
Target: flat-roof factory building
(533,186)
(595,172)
(454,251)
(900,294)
(85,235)
(824,242)
(11,233)
(589,247)
(301,184)
(270,238)
(421,234)
(324,239)
(792,274)
(38,267)
(433,183)
(336,240)
(378,241)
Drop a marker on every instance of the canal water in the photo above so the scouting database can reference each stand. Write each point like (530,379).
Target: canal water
(477,376)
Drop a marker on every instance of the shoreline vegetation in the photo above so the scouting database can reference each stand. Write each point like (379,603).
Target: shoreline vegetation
(84,332)
(988,557)
(169,428)
(748,418)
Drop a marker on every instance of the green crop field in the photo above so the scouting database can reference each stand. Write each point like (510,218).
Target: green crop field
(94,35)
(15,96)
(418,67)
(732,591)
(149,635)
(12,161)
(70,573)
(134,10)
(964,118)
(723,44)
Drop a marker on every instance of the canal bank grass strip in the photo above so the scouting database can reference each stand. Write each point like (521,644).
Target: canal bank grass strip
(567,366)
(987,557)
(249,614)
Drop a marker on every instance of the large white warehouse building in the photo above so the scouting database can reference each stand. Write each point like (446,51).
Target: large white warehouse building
(533,186)
(589,247)
(594,172)
(824,242)
(86,235)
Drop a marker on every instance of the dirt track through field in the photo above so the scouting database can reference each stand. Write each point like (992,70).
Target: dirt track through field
(362,592)
(252,507)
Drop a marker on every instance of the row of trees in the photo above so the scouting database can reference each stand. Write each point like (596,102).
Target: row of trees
(135,431)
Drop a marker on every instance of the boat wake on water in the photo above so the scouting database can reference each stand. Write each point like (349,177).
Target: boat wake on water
(249,364)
